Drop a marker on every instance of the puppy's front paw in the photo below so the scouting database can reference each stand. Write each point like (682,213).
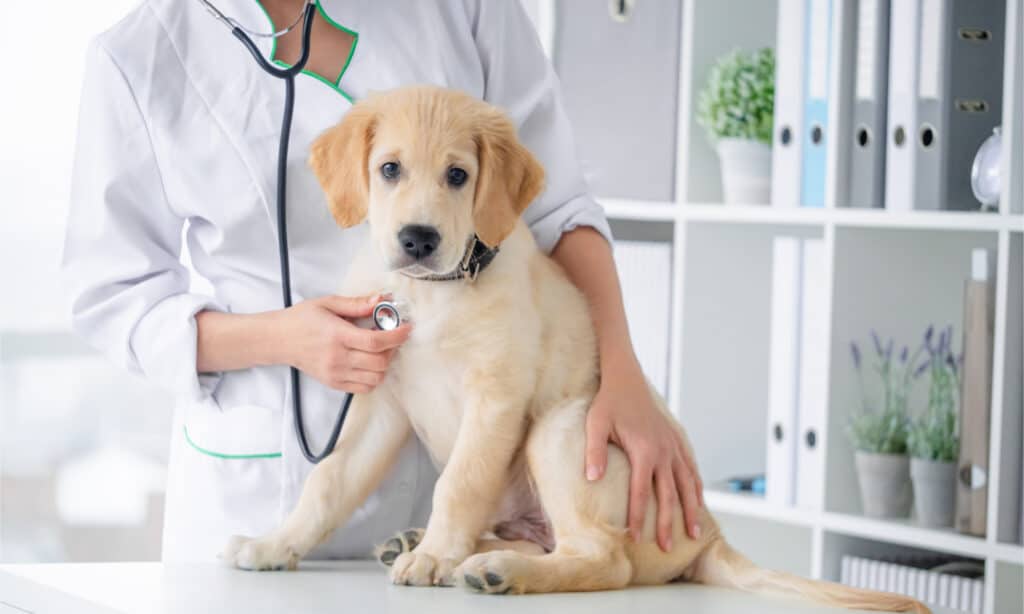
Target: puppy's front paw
(401,543)
(493,573)
(421,569)
(258,554)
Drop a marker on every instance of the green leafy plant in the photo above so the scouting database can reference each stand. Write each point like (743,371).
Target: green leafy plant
(738,99)
(933,434)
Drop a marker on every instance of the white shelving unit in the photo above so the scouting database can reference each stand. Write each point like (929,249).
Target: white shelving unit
(895,271)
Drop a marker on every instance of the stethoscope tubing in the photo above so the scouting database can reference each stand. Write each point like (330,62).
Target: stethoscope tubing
(288,75)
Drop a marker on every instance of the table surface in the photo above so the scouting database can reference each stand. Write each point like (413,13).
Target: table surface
(335,586)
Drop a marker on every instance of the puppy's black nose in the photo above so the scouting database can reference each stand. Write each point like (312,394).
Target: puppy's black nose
(419,241)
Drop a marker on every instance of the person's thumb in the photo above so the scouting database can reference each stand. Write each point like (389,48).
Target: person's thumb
(351,306)
(598,429)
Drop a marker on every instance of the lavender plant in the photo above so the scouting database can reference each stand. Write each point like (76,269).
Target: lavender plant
(880,425)
(933,434)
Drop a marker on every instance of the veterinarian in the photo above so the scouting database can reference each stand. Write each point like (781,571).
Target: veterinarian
(177,145)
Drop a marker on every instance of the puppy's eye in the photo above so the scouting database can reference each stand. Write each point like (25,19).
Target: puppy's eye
(456,176)
(390,170)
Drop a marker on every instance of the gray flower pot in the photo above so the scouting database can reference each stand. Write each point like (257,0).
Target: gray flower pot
(884,484)
(934,491)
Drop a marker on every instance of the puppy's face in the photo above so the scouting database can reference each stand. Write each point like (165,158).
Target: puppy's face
(429,169)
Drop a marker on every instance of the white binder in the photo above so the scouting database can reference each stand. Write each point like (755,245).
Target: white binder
(787,144)
(901,152)
(780,471)
(812,393)
(866,142)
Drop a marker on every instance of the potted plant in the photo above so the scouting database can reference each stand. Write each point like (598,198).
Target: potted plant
(878,432)
(933,440)
(736,109)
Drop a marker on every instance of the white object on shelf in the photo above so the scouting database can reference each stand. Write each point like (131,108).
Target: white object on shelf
(780,471)
(787,144)
(645,273)
(746,167)
(812,392)
(934,588)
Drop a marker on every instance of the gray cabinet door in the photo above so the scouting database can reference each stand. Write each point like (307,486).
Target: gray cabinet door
(620,82)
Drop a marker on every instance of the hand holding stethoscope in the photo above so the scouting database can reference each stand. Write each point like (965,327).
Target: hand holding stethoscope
(385,315)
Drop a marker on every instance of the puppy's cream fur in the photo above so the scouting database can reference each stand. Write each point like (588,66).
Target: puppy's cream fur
(494,380)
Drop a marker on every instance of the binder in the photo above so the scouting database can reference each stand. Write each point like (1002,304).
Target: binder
(900,151)
(812,393)
(817,54)
(780,472)
(867,144)
(949,51)
(976,395)
(787,144)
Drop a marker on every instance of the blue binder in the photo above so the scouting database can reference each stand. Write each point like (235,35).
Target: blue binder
(817,62)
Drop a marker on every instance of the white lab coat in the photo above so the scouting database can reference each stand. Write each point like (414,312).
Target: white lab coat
(179,126)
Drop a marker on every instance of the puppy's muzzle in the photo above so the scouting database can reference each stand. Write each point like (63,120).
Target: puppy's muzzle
(418,241)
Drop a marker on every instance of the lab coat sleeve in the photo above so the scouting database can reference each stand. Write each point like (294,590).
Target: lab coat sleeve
(520,79)
(120,264)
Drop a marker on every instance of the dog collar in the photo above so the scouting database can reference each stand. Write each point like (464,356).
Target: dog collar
(475,259)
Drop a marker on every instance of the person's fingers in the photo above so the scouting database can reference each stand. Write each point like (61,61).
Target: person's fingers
(686,487)
(639,492)
(665,488)
(351,306)
(353,387)
(374,341)
(598,428)
(359,376)
(370,361)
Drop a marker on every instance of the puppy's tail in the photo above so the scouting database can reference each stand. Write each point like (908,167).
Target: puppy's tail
(720,565)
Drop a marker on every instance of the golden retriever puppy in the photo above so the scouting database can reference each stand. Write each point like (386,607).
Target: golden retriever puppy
(492,380)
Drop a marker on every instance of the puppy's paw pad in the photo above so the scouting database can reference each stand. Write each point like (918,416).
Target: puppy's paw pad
(480,574)
(401,543)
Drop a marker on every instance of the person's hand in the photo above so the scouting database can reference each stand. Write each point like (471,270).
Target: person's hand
(319,339)
(625,413)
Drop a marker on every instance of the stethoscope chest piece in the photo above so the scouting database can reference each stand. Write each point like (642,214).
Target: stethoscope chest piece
(385,316)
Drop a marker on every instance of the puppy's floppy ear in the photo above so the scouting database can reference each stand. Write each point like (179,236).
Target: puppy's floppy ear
(339,158)
(509,179)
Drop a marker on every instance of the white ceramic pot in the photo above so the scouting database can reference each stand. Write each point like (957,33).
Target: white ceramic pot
(934,491)
(884,484)
(746,171)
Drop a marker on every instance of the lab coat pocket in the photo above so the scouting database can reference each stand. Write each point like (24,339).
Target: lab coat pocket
(231,461)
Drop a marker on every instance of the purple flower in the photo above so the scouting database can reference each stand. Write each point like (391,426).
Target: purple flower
(877,342)
(951,362)
(904,354)
(928,337)
(888,351)
(855,353)
(922,368)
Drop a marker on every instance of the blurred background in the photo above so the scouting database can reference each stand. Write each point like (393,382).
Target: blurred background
(83,444)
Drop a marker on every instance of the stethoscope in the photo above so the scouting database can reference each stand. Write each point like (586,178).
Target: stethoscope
(385,313)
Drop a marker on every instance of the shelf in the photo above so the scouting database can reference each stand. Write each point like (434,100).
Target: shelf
(1009,553)
(639,210)
(903,531)
(659,211)
(755,506)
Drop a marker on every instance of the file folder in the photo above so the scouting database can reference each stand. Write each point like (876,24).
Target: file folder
(867,145)
(949,51)
(817,54)
(812,399)
(780,471)
(901,152)
(787,144)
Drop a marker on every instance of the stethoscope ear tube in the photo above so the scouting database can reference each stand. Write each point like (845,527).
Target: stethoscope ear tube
(288,74)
